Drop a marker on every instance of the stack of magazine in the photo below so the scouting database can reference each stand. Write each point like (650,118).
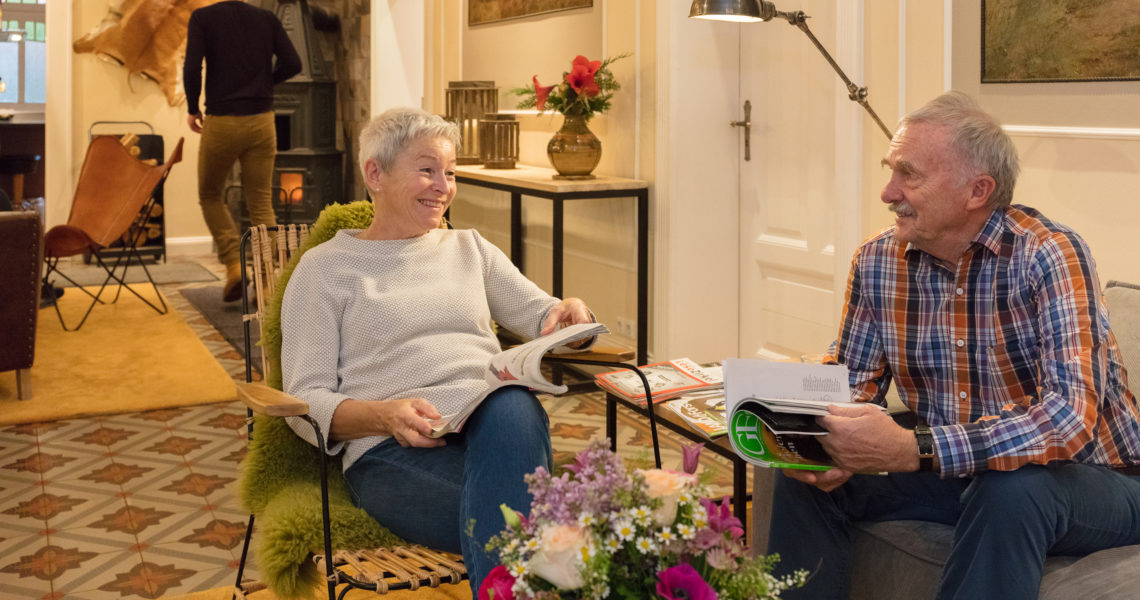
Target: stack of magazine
(667,380)
(703,411)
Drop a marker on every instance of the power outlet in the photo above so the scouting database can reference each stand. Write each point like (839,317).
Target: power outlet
(626,327)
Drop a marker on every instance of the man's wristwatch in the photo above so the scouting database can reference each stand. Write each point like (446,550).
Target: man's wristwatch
(925,447)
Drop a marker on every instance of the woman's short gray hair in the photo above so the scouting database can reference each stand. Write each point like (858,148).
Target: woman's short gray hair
(387,135)
(979,139)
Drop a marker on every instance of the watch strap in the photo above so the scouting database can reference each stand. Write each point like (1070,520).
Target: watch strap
(925,439)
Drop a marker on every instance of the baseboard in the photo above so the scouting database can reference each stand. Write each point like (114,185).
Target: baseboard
(190,245)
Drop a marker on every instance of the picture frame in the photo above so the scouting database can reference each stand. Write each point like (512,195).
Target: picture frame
(1028,41)
(482,12)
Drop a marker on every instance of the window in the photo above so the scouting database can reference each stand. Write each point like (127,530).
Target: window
(23,54)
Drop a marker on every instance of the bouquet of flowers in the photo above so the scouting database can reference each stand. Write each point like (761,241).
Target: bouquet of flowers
(599,531)
(585,89)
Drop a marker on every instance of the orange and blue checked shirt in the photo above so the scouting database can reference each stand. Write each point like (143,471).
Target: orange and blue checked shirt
(1009,358)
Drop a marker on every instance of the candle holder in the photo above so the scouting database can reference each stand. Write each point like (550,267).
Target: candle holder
(467,102)
(498,141)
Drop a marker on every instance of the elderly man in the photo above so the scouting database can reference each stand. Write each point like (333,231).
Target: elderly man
(989,319)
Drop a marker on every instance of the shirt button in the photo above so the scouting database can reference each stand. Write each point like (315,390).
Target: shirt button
(962,395)
(960,343)
(959,291)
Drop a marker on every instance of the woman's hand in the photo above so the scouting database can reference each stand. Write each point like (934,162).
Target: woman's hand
(570,311)
(406,419)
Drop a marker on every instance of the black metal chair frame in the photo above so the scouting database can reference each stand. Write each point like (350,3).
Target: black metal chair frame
(123,259)
(333,575)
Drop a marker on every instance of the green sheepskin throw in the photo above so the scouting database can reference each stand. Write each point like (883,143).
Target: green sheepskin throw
(280,480)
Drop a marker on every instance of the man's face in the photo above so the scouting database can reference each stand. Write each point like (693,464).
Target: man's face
(927,190)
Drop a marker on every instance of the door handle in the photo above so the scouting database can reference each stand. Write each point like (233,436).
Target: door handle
(747,125)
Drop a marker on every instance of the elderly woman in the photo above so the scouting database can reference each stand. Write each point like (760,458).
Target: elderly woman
(389,327)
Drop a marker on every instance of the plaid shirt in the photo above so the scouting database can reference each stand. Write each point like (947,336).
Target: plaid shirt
(1010,359)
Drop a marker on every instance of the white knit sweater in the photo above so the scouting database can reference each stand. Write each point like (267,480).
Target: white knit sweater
(381,320)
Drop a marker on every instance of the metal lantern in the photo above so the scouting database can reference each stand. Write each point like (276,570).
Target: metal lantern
(498,141)
(467,102)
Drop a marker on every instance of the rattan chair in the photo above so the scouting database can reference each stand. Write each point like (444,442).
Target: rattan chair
(302,506)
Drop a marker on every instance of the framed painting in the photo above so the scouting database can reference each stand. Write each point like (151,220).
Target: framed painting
(480,12)
(1029,41)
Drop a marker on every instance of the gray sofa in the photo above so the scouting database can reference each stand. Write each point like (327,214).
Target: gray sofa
(902,560)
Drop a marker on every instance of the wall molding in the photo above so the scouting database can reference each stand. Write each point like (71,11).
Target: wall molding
(1088,133)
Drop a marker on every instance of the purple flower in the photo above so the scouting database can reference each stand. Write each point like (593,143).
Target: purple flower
(691,457)
(721,519)
(683,582)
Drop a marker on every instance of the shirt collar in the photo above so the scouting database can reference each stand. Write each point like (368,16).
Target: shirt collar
(989,237)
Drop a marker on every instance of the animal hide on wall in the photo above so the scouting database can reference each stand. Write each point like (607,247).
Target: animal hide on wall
(148,37)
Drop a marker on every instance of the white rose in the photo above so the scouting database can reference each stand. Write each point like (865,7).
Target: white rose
(559,556)
(666,485)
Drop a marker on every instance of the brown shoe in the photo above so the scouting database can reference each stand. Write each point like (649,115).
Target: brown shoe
(231,292)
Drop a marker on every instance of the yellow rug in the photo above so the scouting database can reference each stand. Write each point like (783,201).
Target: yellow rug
(125,358)
(443,592)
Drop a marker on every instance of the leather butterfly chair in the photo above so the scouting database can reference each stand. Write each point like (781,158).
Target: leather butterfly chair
(114,188)
(302,506)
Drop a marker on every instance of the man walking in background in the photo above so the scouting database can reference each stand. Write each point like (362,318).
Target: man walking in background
(238,43)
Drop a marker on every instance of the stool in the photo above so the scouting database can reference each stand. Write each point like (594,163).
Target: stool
(18,165)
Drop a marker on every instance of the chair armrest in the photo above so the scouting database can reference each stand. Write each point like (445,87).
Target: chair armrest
(265,400)
(602,354)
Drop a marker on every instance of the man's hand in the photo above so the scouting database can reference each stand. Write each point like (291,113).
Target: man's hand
(570,311)
(195,122)
(824,480)
(863,439)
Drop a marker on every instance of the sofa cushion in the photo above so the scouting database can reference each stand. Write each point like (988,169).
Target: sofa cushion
(1123,301)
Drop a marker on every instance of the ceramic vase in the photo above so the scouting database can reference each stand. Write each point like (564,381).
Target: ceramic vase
(574,151)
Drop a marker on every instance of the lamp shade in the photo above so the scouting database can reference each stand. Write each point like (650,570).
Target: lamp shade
(745,11)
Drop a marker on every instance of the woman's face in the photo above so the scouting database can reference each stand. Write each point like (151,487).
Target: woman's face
(411,198)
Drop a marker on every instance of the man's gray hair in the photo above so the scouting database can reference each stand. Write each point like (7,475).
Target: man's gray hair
(387,135)
(979,139)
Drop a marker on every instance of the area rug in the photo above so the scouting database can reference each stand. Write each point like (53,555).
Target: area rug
(443,592)
(125,358)
(224,316)
(169,272)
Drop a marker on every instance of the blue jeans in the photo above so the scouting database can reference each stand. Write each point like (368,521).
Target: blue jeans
(1005,522)
(430,496)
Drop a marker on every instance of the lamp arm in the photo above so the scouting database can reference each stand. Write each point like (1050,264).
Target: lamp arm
(854,92)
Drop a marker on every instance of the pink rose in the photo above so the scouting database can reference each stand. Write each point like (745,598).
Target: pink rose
(559,556)
(666,485)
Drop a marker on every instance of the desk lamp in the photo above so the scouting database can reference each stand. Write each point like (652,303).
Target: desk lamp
(750,11)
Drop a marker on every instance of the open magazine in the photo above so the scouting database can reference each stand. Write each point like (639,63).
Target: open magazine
(772,406)
(521,365)
(667,379)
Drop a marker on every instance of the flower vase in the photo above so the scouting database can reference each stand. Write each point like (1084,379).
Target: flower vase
(574,151)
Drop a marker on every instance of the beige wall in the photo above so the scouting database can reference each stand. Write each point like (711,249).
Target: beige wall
(600,253)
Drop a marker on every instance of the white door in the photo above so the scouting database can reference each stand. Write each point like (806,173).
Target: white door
(799,191)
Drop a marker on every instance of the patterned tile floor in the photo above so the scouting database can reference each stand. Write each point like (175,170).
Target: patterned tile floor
(142,505)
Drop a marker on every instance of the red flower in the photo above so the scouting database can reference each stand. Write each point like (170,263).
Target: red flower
(591,65)
(540,93)
(497,585)
(683,581)
(581,78)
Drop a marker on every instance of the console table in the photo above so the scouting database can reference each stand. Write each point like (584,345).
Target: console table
(538,182)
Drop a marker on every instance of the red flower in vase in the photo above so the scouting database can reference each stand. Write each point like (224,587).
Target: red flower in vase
(541,93)
(581,76)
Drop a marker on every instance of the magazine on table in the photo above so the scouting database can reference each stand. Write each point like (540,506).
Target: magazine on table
(522,365)
(772,407)
(703,411)
(667,379)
